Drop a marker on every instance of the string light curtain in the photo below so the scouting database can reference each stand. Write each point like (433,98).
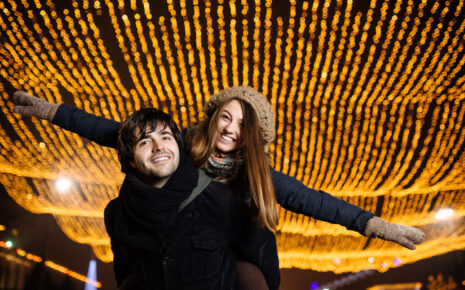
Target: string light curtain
(369,99)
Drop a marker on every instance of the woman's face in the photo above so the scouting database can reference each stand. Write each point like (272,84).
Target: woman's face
(230,127)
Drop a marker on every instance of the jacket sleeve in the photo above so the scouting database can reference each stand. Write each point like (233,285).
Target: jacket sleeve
(121,266)
(293,195)
(257,245)
(97,129)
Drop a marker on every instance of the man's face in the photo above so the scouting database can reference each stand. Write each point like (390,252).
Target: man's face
(156,155)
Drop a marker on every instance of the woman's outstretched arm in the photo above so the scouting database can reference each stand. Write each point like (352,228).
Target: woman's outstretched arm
(97,129)
(293,195)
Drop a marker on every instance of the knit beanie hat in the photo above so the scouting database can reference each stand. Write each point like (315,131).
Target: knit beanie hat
(259,103)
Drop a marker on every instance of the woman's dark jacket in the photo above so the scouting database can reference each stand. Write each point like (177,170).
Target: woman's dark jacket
(199,251)
(291,194)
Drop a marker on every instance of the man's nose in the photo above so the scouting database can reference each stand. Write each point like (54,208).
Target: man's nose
(157,146)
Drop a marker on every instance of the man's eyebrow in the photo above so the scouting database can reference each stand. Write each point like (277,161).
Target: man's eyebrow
(165,132)
(142,136)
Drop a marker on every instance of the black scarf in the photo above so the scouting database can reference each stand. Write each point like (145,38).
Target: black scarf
(145,214)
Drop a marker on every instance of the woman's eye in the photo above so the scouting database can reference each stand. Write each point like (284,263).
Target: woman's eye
(225,117)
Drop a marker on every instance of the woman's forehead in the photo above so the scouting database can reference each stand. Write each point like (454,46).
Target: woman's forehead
(233,106)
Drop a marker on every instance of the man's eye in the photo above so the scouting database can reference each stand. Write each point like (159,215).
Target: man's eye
(166,138)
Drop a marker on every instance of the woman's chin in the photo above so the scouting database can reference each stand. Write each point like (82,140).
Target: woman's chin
(224,150)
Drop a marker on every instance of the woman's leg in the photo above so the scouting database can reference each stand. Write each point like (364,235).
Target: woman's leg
(249,277)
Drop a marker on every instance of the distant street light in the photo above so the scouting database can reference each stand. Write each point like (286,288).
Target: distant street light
(63,185)
(9,244)
(444,213)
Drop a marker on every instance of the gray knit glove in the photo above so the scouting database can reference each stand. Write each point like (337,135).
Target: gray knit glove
(405,236)
(28,105)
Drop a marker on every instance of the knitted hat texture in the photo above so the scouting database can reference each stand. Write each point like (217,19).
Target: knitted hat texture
(259,103)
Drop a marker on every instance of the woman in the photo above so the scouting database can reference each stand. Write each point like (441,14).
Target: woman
(231,144)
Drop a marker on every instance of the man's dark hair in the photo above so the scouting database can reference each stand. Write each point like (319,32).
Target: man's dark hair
(138,122)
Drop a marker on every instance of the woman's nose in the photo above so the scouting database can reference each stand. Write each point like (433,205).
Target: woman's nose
(231,128)
(228,128)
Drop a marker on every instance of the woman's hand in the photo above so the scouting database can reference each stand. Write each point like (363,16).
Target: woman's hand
(28,105)
(403,235)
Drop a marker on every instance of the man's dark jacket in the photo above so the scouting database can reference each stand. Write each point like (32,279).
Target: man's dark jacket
(202,250)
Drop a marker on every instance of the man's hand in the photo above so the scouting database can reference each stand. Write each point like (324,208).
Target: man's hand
(405,236)
(28,105)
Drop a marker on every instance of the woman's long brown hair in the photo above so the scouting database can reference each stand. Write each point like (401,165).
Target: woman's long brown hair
(202,141)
